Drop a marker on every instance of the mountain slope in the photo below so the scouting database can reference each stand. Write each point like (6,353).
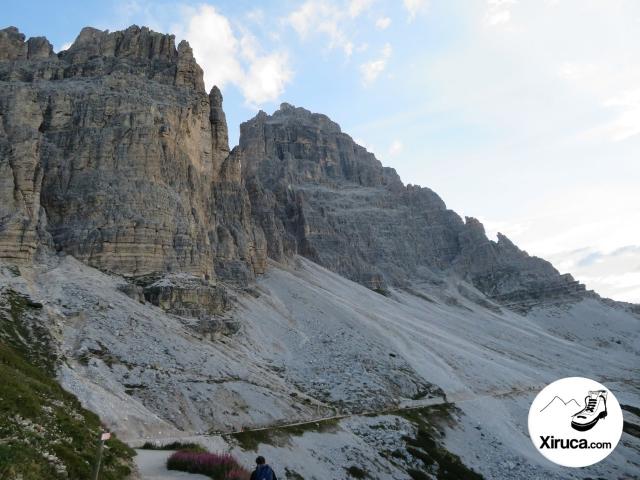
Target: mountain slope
(187,289)
(45,431)
(312,344)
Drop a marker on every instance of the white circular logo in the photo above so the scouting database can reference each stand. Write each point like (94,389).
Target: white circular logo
(575,422)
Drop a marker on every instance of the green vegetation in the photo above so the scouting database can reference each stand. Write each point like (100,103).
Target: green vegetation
(419,295)
(631,428)
(184,446)
(426,447)
(382,291)
(45,431)
(18,330)
(291,474)
(356,472)
(631,408)
(628,427)
(251,439)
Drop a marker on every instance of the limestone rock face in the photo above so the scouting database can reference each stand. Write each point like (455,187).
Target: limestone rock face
(14,46)
(509,275)
(185,295)
(113,152)
(317,193)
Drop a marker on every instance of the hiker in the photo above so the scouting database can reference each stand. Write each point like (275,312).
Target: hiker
(263,471)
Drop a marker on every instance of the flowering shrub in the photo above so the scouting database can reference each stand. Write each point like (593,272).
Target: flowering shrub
(238,474)
(219,466)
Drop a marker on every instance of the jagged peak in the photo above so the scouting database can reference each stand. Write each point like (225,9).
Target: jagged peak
(14,47)
(216,94)
(284,106)
(133,41)
(289,113)
(503,240)
(474,223)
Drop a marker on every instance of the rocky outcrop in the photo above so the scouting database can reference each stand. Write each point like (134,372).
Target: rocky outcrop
(509,275)
(316,192)
(14,46)
(113,152)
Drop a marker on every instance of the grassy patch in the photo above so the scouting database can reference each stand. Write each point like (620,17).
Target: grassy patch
(291,474)
(421,295)
(382,291)
(185,446)
(45,431)
(425,445)
(631,428)
(356,472)
(251,439)
(20,331)
(632,409)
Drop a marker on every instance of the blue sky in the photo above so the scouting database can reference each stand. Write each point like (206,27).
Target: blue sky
(525,114)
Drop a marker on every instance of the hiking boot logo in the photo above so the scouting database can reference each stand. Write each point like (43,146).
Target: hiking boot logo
(572,433)
(595,409)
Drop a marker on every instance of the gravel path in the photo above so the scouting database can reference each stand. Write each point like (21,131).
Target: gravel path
(151,464)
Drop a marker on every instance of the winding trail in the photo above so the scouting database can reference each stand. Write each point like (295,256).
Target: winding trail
(151,463)
(407,405)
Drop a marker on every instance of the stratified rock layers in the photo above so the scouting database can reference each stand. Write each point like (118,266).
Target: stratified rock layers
(113,152)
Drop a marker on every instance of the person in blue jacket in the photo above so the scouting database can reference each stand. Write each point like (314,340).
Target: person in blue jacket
(263,471)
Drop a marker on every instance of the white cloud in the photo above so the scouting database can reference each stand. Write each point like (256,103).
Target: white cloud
(396,148)
(302,19)
(498,12)
(383,23)
(226,60)
(627,122)
(371,70)
(356,7)
(614,274)
(415,7)
(266,78)
(256,15)
(215,46)
(329,19)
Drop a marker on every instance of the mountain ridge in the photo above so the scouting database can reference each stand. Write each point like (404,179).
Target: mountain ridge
(190,288)
(260,199)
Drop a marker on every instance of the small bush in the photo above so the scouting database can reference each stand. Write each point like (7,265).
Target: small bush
(356,472)
(219,466)
(188,446)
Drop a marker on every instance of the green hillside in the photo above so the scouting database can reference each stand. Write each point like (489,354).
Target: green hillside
(44,431)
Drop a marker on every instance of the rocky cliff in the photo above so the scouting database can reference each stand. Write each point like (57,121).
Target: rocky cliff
(112,151)
(334,202)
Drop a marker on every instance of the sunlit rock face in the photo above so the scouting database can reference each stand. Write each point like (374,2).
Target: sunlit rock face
(112,151)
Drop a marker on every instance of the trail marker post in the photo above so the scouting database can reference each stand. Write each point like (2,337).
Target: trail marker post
(103,438)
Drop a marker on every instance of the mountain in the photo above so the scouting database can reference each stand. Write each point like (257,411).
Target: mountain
(113,152)
(333,202)
(559,404)
(188,288)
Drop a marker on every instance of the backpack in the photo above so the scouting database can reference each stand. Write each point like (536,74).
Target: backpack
(264,472)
